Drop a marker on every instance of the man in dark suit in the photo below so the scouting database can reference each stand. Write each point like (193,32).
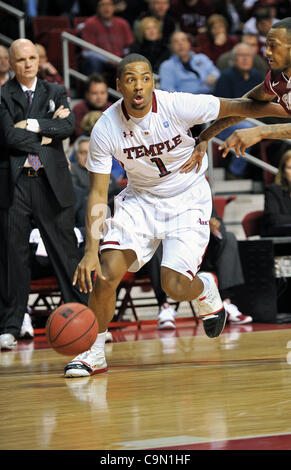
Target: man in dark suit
(36,186)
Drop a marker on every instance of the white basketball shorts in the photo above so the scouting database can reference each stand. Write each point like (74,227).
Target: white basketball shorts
(141,221)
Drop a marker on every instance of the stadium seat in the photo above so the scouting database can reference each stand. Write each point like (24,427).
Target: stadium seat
(78,23)
(42,25)
(252,223)
(55,51)
(267,176)
(47,295)
(220,202)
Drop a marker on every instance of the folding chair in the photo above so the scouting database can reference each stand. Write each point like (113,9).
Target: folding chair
(252,223)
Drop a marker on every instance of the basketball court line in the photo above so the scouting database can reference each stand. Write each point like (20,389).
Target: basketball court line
(255,441)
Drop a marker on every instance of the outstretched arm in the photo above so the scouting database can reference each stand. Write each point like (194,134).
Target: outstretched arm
(256,103)
(241,139)
(257,94)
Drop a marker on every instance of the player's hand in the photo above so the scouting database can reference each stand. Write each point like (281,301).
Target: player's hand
(90,262)
(46,140)
(20,125)
(61,113)
(240,140)
(196,158)
(48,67)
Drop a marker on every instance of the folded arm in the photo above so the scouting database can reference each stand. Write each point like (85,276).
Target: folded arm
(59,127)
(15,137)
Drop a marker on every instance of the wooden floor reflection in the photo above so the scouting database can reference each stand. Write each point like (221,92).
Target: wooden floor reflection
(158,393)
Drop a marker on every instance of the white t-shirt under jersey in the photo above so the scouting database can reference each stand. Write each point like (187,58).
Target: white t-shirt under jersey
(152,156)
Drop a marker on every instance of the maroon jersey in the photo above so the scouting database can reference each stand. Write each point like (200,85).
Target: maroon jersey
(278,84)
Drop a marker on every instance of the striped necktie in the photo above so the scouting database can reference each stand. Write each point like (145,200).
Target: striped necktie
(33,159)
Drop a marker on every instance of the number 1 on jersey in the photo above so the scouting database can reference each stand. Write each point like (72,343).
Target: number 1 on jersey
(161,167)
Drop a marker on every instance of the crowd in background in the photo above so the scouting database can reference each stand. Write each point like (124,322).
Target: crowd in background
(195,46)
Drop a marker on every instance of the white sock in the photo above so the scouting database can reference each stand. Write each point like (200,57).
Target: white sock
(206,284)
(100,341)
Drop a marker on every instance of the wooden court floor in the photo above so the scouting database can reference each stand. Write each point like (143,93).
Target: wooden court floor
(169,391)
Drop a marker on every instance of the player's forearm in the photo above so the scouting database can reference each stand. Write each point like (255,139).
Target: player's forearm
(217,126)
(244,108)
(249,108)
(275,131)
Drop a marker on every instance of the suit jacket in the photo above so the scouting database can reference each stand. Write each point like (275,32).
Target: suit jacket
(277,211)
(15,144)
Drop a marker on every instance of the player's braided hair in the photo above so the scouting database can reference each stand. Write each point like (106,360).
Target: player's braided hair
(129,59)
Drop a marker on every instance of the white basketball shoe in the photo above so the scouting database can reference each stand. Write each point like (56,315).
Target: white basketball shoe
(87,363)
(210,307)
(166,319)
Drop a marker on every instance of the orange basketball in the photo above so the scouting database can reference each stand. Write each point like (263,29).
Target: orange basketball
(71,329)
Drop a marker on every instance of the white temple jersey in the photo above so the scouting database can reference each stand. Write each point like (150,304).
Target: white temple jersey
(152,157)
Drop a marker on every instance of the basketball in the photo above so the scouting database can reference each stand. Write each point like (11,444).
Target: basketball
(71,329)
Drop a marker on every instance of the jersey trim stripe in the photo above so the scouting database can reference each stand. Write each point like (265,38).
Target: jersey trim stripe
(154,107)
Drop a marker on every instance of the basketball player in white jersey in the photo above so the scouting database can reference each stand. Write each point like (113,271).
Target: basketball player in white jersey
(148,132)
(277,85)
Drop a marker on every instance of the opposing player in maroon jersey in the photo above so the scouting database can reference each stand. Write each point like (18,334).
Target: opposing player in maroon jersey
(277,84)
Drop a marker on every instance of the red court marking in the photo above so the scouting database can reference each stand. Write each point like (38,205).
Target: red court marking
(129,331)
(279,442)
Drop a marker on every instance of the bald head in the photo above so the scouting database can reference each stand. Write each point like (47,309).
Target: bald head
(18,45)
(243,57)
(24,59)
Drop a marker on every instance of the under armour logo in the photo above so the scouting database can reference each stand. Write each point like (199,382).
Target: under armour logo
(130,134)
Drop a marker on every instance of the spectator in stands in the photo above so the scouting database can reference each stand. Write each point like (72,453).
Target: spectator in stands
(234,82)
(260,64)
(109,32)
(160,9)
(130,9)
(217,41)
(222,257)
(231,10)
(80,175)
(185,70)
(46,70)
(95,99)
(149,42)
(277,210)
(260,24)
(5,72)
(88,122)
(192,15)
